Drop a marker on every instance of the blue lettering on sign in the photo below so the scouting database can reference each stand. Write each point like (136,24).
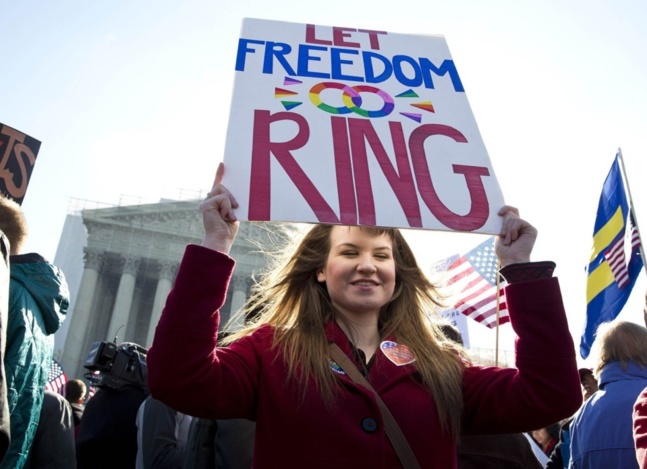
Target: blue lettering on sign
(279,57)
(278,51)
(305,57)
(337,62)
(387,68)
(399,71)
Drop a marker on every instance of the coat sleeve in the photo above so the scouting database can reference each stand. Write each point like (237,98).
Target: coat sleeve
(201,444)
(53,445)
(185,369)
(640,428)
(26,374)
(158,431)
(544,388)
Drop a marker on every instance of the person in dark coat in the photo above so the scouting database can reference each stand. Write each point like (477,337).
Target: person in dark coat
(107,436)
(53,445)
(161,436)
(220,444)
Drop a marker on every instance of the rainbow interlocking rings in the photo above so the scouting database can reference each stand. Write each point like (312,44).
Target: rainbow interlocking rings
(352,99)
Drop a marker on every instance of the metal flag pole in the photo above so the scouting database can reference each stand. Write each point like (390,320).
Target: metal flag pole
(631,207)
(498,295)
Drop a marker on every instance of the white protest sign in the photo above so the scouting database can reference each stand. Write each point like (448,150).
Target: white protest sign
(353,126)
(459,321)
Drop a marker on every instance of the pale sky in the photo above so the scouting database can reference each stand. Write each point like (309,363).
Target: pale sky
(131,99)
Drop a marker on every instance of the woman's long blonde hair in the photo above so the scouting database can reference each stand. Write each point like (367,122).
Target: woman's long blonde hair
(290,298)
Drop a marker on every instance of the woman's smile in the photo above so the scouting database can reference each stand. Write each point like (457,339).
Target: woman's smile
(360,271)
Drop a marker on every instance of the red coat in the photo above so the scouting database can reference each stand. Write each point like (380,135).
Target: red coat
(248,379)
(640,428)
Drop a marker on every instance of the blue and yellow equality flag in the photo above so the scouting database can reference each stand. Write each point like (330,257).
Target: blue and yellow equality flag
(611,276)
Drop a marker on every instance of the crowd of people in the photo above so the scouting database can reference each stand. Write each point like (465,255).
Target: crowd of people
(342,363)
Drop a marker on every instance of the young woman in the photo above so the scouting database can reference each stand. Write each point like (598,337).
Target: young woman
(360,288)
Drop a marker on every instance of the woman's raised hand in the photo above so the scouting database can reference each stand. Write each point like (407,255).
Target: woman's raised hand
(220,224)
(516,239)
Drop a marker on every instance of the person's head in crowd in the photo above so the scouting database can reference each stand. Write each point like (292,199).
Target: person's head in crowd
(547,437)
(451,332)
(75,390)
(13,223)
(589,383)
(620,341)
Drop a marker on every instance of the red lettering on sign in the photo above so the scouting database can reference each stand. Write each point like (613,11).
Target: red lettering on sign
(311,36)
(479,210)
(351,137)
(373,37)
(343,171)
(260,182)
(340,37)
(401,181)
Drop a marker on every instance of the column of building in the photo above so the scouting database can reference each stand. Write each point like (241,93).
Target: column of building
(238,285)
(124,299)
(167,272)
(73,354)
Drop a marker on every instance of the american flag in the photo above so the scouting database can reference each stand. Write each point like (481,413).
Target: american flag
(472,280)
(57,378)
(616,256)
(613,268)
(92,390)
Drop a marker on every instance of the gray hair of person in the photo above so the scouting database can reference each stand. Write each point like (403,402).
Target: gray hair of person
(620,341)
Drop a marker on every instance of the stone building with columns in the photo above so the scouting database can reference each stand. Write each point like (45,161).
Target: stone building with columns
(130,261)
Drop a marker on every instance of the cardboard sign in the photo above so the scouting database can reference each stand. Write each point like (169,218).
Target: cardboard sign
(17,158)
(354,126)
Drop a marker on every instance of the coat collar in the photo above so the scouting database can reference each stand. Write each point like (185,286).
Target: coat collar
(614,371)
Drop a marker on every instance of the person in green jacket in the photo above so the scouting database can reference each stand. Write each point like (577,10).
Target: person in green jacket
(38,302)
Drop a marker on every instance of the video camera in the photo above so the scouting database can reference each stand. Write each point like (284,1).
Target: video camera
(115,366)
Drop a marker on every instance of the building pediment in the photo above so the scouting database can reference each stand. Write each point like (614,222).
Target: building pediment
(173,218)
